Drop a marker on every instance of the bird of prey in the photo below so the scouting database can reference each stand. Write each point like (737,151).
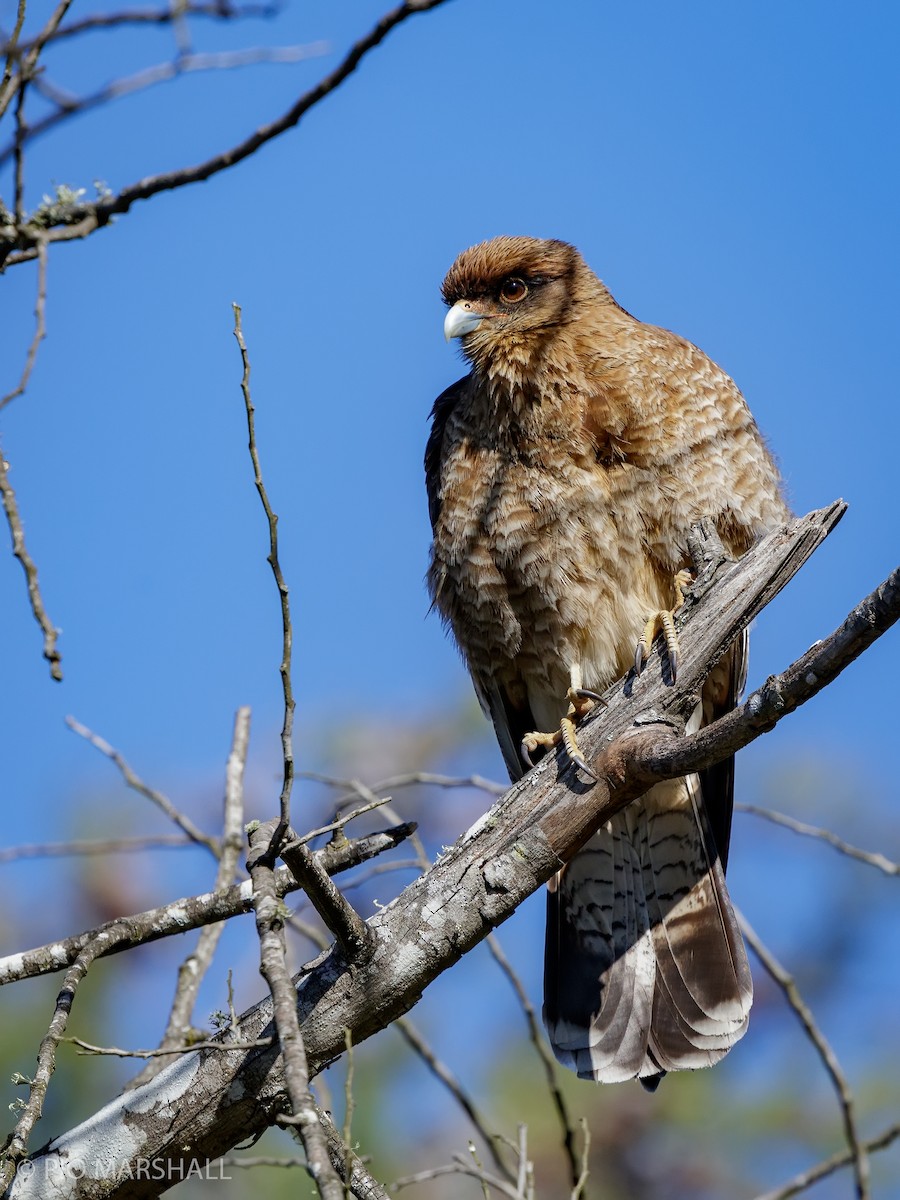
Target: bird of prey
(564,473)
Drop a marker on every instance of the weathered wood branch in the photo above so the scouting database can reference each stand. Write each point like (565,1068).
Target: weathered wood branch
(205,1103)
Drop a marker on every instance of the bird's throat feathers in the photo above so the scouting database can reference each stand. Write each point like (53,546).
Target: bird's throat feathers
(528,389)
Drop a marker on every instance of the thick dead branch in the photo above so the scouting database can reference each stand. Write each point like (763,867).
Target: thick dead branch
(338,914)
(538,825)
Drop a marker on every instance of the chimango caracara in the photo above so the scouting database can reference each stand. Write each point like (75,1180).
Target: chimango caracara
(564,473)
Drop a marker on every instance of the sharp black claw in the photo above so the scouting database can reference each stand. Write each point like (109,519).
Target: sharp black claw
(639,658)
(673,663)
(526,757)
(582,765)
(589,695)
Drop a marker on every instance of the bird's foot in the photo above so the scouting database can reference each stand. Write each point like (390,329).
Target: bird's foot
(663,622)
(581,701)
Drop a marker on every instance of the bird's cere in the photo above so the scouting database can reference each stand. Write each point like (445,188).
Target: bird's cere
(461,319)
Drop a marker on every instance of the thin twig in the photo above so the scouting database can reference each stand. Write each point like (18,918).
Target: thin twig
(348,1116)
(273,965)
(89,1049)
(20,551)
(825,835)
(40,327)
(803,1181)
(31,1114)
(459,1168)
(365,877)
(543,1052)
(340,822)
(262,1160)
(408,779)
(18,154)
(142,16)
(165,72)
(83,219)
(194,968)
(441,1071)
(184,823)
(100,846)
(581,1182)
(12,49)
(829,1059)
(286,626)
(13,81)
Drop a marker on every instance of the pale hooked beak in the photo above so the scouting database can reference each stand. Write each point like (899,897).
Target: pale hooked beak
(461,319)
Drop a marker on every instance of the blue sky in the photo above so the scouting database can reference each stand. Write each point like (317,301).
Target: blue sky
(731,173)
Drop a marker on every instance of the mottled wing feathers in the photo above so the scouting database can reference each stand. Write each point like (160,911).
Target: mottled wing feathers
(510,723)
(721,693)
(440,411)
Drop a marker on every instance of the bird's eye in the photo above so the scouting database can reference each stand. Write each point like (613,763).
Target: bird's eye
(513,290)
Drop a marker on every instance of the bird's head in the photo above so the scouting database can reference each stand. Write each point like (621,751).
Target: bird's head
(508,294)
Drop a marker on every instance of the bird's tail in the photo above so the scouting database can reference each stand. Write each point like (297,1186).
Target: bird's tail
(645,968)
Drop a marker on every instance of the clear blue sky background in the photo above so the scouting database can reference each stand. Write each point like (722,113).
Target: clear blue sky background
(729,170)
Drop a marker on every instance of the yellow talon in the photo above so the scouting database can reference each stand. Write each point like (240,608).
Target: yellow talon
(581,701)
(663,622)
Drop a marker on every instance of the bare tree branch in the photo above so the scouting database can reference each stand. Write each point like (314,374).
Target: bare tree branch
(220,9)
(13,80)
(273,965)
(442,1072)
(788,985)
(20,551)
(190,912)
(338,914)
(40,320)
(184,823)
(287,633)
(803,1181)
(193,970)
(100,846)
(544,1054)
(12,47)
(80,220)
(17,1144)
(89,1050)
(68,106)
(825,835)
